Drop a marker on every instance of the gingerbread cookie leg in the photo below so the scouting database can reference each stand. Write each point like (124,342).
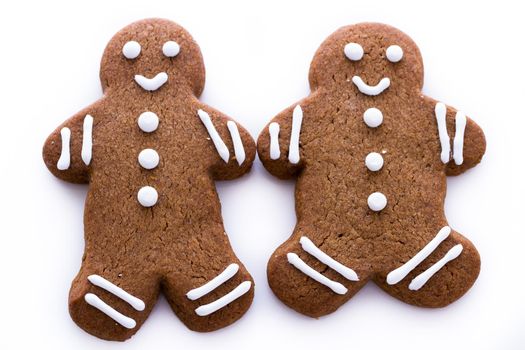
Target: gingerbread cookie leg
(211,289)
(112,305)
(437,275)
(310,277)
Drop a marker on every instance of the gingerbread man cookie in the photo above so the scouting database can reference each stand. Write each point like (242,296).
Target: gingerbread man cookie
(151,151)
(371,155)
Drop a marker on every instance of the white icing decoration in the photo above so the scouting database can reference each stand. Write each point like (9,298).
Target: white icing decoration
(461,123)
(131,50)
(353,51)
(238,148)
(221,147)
(225,275)
(394,53)
(97,303)
(101,282)
(444,139)
(147,196)
(423,278)
(170,49)
(377,201)
(148,122)
(275,150)
(401,272)
(310,248)
(374,161)
(151,84)
(148,158)
(297,120)
(210,308)
(296,261)
(371,90)
(373,117)
(65,157)
(87,139)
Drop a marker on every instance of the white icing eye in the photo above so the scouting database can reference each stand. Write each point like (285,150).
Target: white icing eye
(394,53)
(170,49)
(354,51)
(131,50)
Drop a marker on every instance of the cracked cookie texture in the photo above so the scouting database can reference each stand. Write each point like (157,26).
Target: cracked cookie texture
(150,152)
(370,154)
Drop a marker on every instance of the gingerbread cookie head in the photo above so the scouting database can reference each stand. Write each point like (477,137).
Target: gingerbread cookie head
(151,55)
(367,58)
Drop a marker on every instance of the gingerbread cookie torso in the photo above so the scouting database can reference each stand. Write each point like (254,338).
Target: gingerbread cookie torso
(371,155)
(151,151)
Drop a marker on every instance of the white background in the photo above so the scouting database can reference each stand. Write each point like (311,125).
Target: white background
(257,58)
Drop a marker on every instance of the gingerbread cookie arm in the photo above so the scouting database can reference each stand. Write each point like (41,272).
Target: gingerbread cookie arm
(462,140)
(278,145)
(235,148)
(468,143)
(67,151)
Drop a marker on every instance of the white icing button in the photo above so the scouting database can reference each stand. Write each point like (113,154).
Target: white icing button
(373,117)
(148,158)
(147,196)
(377,201)
(131,50)
(374,161)
(170,49)
(353,51)
(148,122)
(394,53)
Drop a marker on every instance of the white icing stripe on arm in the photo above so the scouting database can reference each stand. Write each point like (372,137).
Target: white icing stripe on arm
(444,139)
(398,274)
(101,282)
(296,261)
(65,157)
(87,139)
(297,120)
(310,248)
(97,303)
(215,137)
(235,294)
(275,151)
(423,278)
(238,148)
(225,275)
(461,122)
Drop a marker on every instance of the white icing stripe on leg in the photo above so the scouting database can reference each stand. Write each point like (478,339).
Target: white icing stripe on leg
(225,275)
(87,139)
(310,248)
(297,120)
(296,261)
(65,157)
(444,139)
(398,274)
(240,290)
(214,135)
(101,282)
(275,151)
(461,122)
(423,278)
(97,303)
(238,148)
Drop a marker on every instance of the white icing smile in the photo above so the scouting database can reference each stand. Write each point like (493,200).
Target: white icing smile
(151,84)
(371,90)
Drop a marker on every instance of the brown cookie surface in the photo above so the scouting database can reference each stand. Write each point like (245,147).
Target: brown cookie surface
(371,155)
(151,151)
